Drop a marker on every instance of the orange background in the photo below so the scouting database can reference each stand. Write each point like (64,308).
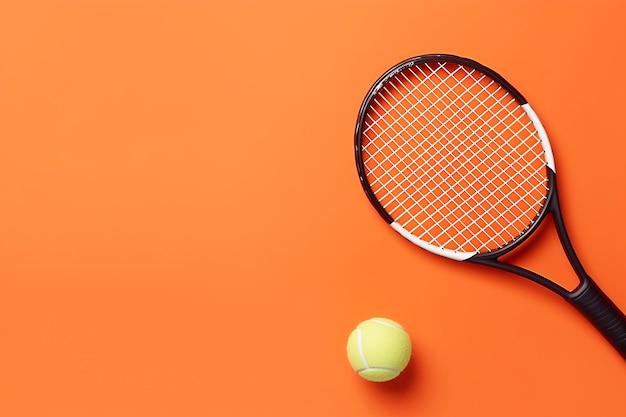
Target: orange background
(182,230)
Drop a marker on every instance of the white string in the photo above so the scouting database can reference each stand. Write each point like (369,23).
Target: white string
(453,157)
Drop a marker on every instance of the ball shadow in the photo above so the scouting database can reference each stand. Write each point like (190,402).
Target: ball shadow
(405,384)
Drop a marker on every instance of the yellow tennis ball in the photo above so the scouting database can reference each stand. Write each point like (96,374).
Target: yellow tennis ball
(379,349)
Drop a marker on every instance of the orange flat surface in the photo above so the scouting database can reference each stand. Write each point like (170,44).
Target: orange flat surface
(183,233)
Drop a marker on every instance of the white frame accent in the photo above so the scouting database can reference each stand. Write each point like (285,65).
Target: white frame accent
(545,143)
(456,255)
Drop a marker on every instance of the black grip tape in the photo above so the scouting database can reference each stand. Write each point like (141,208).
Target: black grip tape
(603,313)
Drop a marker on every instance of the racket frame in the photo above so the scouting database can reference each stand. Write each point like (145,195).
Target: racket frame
(545,143)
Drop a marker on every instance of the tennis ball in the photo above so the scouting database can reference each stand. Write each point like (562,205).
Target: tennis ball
(379,349)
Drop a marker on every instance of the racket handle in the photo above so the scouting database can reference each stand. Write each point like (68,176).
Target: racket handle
(602,312)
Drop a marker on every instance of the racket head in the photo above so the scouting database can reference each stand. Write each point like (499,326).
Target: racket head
(453,157)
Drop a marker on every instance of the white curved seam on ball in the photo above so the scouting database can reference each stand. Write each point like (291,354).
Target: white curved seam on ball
(379,368)
(359,338)
(387,324)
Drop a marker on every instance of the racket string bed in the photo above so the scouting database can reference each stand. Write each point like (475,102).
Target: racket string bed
(421,133)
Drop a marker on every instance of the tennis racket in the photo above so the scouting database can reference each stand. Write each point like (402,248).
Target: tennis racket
(455,159)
